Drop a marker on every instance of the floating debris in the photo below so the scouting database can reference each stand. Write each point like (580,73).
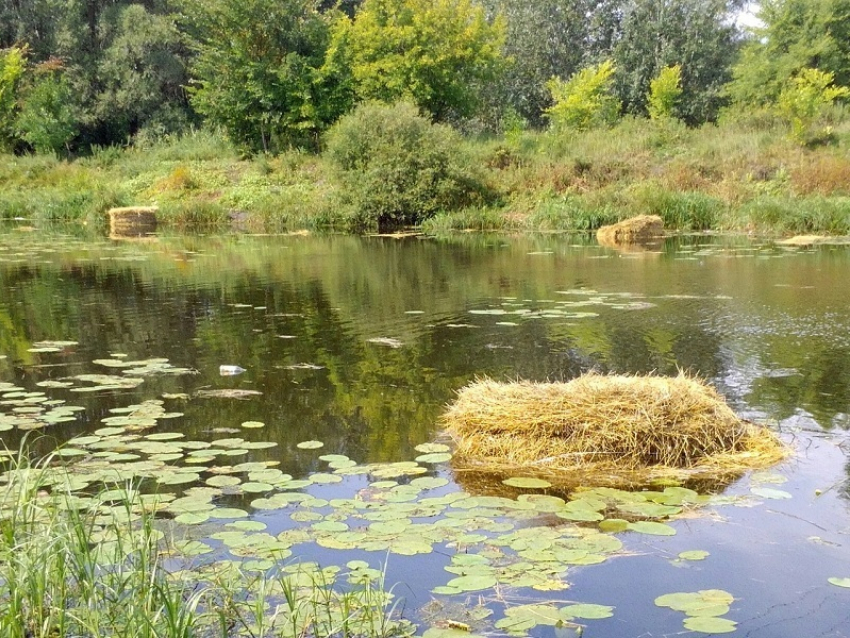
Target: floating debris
(227,393)
(386,341)
(230,370)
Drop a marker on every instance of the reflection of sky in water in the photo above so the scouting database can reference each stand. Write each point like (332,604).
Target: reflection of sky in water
(361,342)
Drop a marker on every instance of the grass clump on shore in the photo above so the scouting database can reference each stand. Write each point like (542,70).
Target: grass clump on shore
(102,565)
(597,423)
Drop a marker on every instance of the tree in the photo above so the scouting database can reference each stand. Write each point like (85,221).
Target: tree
(696,34)
(435,53)
(664,93)
(797,34)
(545,39)
(586,100)
(140,72)
(259,72)
(12,65)
(47,118)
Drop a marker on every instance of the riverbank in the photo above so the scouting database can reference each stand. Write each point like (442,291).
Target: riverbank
(732,177)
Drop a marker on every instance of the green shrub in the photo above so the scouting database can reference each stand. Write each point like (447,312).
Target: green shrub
(664,91)
(396,167)
(804,100)
(586,100)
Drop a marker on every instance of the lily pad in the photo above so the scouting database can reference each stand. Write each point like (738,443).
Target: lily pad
(587,611)
(696,554)
(310,445)
(652,528)
(710,625)
(770,493)
(526,482)
(840,582)
(473,583)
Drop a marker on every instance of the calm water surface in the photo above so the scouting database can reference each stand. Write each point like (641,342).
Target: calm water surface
(361,342)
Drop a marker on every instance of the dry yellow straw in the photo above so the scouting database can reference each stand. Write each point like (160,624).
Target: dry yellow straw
(603,422)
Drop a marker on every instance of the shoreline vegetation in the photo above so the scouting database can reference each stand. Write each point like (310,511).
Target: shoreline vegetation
(443,115)
(733,177)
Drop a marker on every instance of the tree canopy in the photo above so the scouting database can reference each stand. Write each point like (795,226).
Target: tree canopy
(797,34)
(435,53)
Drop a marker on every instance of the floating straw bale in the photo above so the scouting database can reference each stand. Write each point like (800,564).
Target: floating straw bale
(132,220)
(630,231)
(604,424)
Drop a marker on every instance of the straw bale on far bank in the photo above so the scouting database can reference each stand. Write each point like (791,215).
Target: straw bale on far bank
(132,220)
(603,422)
(633,230)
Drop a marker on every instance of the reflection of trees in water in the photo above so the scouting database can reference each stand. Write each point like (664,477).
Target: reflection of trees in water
(819,383)
(368,400)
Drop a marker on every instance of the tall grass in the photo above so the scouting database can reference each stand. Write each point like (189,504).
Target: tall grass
(98,566)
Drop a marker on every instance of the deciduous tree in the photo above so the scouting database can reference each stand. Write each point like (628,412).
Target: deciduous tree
(260,70)
(796,35)
(435,53)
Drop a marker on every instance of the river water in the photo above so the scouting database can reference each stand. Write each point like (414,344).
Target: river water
(360,342)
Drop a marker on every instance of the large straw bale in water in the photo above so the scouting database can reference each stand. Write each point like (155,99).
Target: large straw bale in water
(599,422)
(633,230)
(132,220)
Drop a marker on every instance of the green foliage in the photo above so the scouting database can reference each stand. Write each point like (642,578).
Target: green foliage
(47,119)
(259,72)
(664,92)
(544,39)
(699,35)
(434,53)
(797,34)
(804,100)
(12,65)
(585,100)
(141,73)
(396,167)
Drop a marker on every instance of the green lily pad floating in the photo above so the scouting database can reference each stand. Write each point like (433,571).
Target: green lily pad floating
(431,448)
(840,582)
(180,478)
(710,625)
(696,554)
(310,445)
(192,548)
(652,528)
(434,458)
(770,493)
(247,526)
(703,603)
(473,582)
(587,611)
(192,518)
(253,425)
(527,482)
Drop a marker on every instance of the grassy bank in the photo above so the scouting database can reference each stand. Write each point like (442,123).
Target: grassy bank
(104,564)
(746,177)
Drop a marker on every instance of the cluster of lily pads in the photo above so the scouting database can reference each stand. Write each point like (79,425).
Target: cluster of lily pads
(529,540)
(582,303)
(211,499)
